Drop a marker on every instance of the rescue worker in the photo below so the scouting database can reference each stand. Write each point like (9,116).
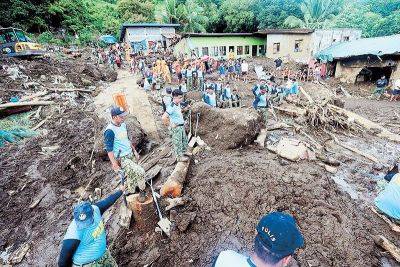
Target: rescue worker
(260,102)
(85,242)
(122,152)
(209,97)
(173,118)
(276,241)
(167,98)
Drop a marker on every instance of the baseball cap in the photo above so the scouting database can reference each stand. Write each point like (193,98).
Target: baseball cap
(83,215)
(118,111)
(177,92)
(278,233)
(168,90)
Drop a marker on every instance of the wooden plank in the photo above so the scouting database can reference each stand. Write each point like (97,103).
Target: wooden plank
(381,241)
(28,103)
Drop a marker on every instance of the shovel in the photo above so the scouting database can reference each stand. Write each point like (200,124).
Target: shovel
(193,140)
(163,223)
(190,125)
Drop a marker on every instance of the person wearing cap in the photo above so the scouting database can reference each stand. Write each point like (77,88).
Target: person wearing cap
(167,98)
(260,102)
(388,201)
(173,118)
(256,88)
(209,97)
(226,96)
(122,152)
(277,239)
(85,241)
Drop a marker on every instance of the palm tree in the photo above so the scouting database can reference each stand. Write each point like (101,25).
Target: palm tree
(190,15)
(315,13)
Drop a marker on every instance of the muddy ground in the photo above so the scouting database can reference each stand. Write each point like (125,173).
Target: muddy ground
(230,189)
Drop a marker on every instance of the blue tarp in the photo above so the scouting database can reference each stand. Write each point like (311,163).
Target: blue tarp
(108,39)
(139,46)
(379,46)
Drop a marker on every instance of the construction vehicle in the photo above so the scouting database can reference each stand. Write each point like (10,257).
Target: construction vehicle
(15,43)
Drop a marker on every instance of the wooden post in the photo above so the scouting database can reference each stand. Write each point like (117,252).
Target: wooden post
(144,213)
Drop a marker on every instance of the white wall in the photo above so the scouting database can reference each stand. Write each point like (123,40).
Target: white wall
(148,33)
(324,38)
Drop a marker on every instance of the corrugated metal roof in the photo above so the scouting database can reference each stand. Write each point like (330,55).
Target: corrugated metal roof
(286,31)
(379,46)
(150,25)
(208,34)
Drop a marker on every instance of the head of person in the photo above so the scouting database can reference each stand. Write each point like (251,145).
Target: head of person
(277,239)
(177,96)
(263,89)
(209,89)
(83,215)
(168,91)
(263,81)
(118,115)
(227,84)
(383,77)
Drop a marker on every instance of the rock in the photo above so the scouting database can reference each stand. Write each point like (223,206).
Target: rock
(293,150)
(86,82)
(226,128)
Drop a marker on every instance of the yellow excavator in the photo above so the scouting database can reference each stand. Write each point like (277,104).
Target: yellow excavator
(15,43)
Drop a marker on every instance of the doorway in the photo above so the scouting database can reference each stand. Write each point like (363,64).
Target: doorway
(253,50)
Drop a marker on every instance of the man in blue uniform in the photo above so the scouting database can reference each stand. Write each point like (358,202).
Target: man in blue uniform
(209,97)
(173,118)
(260,102)
(122,152)
(388,201)
(276,241)
(85,242)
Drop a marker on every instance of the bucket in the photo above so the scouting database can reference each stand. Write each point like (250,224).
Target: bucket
(120,101)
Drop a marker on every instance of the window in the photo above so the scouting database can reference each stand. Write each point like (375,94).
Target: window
(247,50)
(277,48)
(231,49)
(261,49)
(346,38)
(222,50)
(204,51)
(214,51)
(239,50)
(298,44)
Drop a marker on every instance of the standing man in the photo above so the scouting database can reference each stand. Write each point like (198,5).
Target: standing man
(209,97)
(122,152)
(274,245)
(380,87)
(173,118)
(278,63)
(260,102)
(85,242)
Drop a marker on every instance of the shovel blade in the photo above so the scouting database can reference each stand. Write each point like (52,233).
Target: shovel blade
(165,226)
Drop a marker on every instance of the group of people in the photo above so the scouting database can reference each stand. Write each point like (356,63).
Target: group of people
(112,56)
(383,88)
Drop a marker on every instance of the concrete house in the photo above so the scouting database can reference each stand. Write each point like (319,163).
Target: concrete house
(142,36)
(302,44)
(364,60)
(218,45)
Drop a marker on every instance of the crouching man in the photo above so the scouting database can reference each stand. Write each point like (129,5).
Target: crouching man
(276,241)
(388,201)
(85,242)
(122,153)
(173,118)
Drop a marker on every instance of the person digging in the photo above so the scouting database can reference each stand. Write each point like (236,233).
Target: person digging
(173,118)
(276,241)
(122,153)
(85,242)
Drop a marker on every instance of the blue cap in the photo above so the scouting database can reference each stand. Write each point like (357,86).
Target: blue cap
(83,215)
(118,111)
(279,234)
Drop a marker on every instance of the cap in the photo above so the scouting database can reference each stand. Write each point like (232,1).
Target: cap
(83,215)
(278,233)
(177,92)
(263,79)
(168,90)
(118,111)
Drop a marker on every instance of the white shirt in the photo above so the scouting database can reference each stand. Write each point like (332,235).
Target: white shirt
(245,67)
(397,84)
(230,258)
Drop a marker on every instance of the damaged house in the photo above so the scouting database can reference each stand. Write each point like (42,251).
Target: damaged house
(364,60)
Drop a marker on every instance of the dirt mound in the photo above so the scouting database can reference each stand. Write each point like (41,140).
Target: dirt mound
(226,128)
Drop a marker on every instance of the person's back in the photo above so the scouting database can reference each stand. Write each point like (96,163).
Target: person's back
(230,258)
(381,83)
(388,201)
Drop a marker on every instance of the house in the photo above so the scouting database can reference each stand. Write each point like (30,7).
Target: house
(293,44)
(142,36)
(364,60)
(218,45)
(301,44)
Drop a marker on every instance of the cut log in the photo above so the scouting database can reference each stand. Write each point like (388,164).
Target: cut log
(278,126)
(143,212)
(261,138)
(367,124)
(174,202)
(388,246)
(71,90)
(28,103)
(292,110)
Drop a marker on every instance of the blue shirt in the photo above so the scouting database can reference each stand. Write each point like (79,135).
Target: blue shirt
(210,99)
(388,201)
(230,258)
(221,70)
(116,140)
(227,93)
(262,100)
(295,89)
(175,114)
(93,243)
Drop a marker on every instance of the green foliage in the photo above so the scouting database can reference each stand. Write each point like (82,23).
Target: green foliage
(272,13)
(136,10)
(238,15)
(190,15)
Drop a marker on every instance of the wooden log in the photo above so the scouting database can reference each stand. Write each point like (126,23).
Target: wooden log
(293,111)
(261,138)
(367,124)
(394,227)
(174,184)
(388,246)
(309,98)
(71,90)
(28,103)
(143,212)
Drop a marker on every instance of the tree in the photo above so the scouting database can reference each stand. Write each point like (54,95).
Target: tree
(315,13)
(136,10)
(238,15)
(272,13)
(189,14)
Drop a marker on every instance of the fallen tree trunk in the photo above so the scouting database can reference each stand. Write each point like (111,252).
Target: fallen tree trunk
(388,246)
(174,184)
(370,125)
(28,103)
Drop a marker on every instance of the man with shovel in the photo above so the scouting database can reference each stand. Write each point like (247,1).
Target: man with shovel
(173,118)
(123,154)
